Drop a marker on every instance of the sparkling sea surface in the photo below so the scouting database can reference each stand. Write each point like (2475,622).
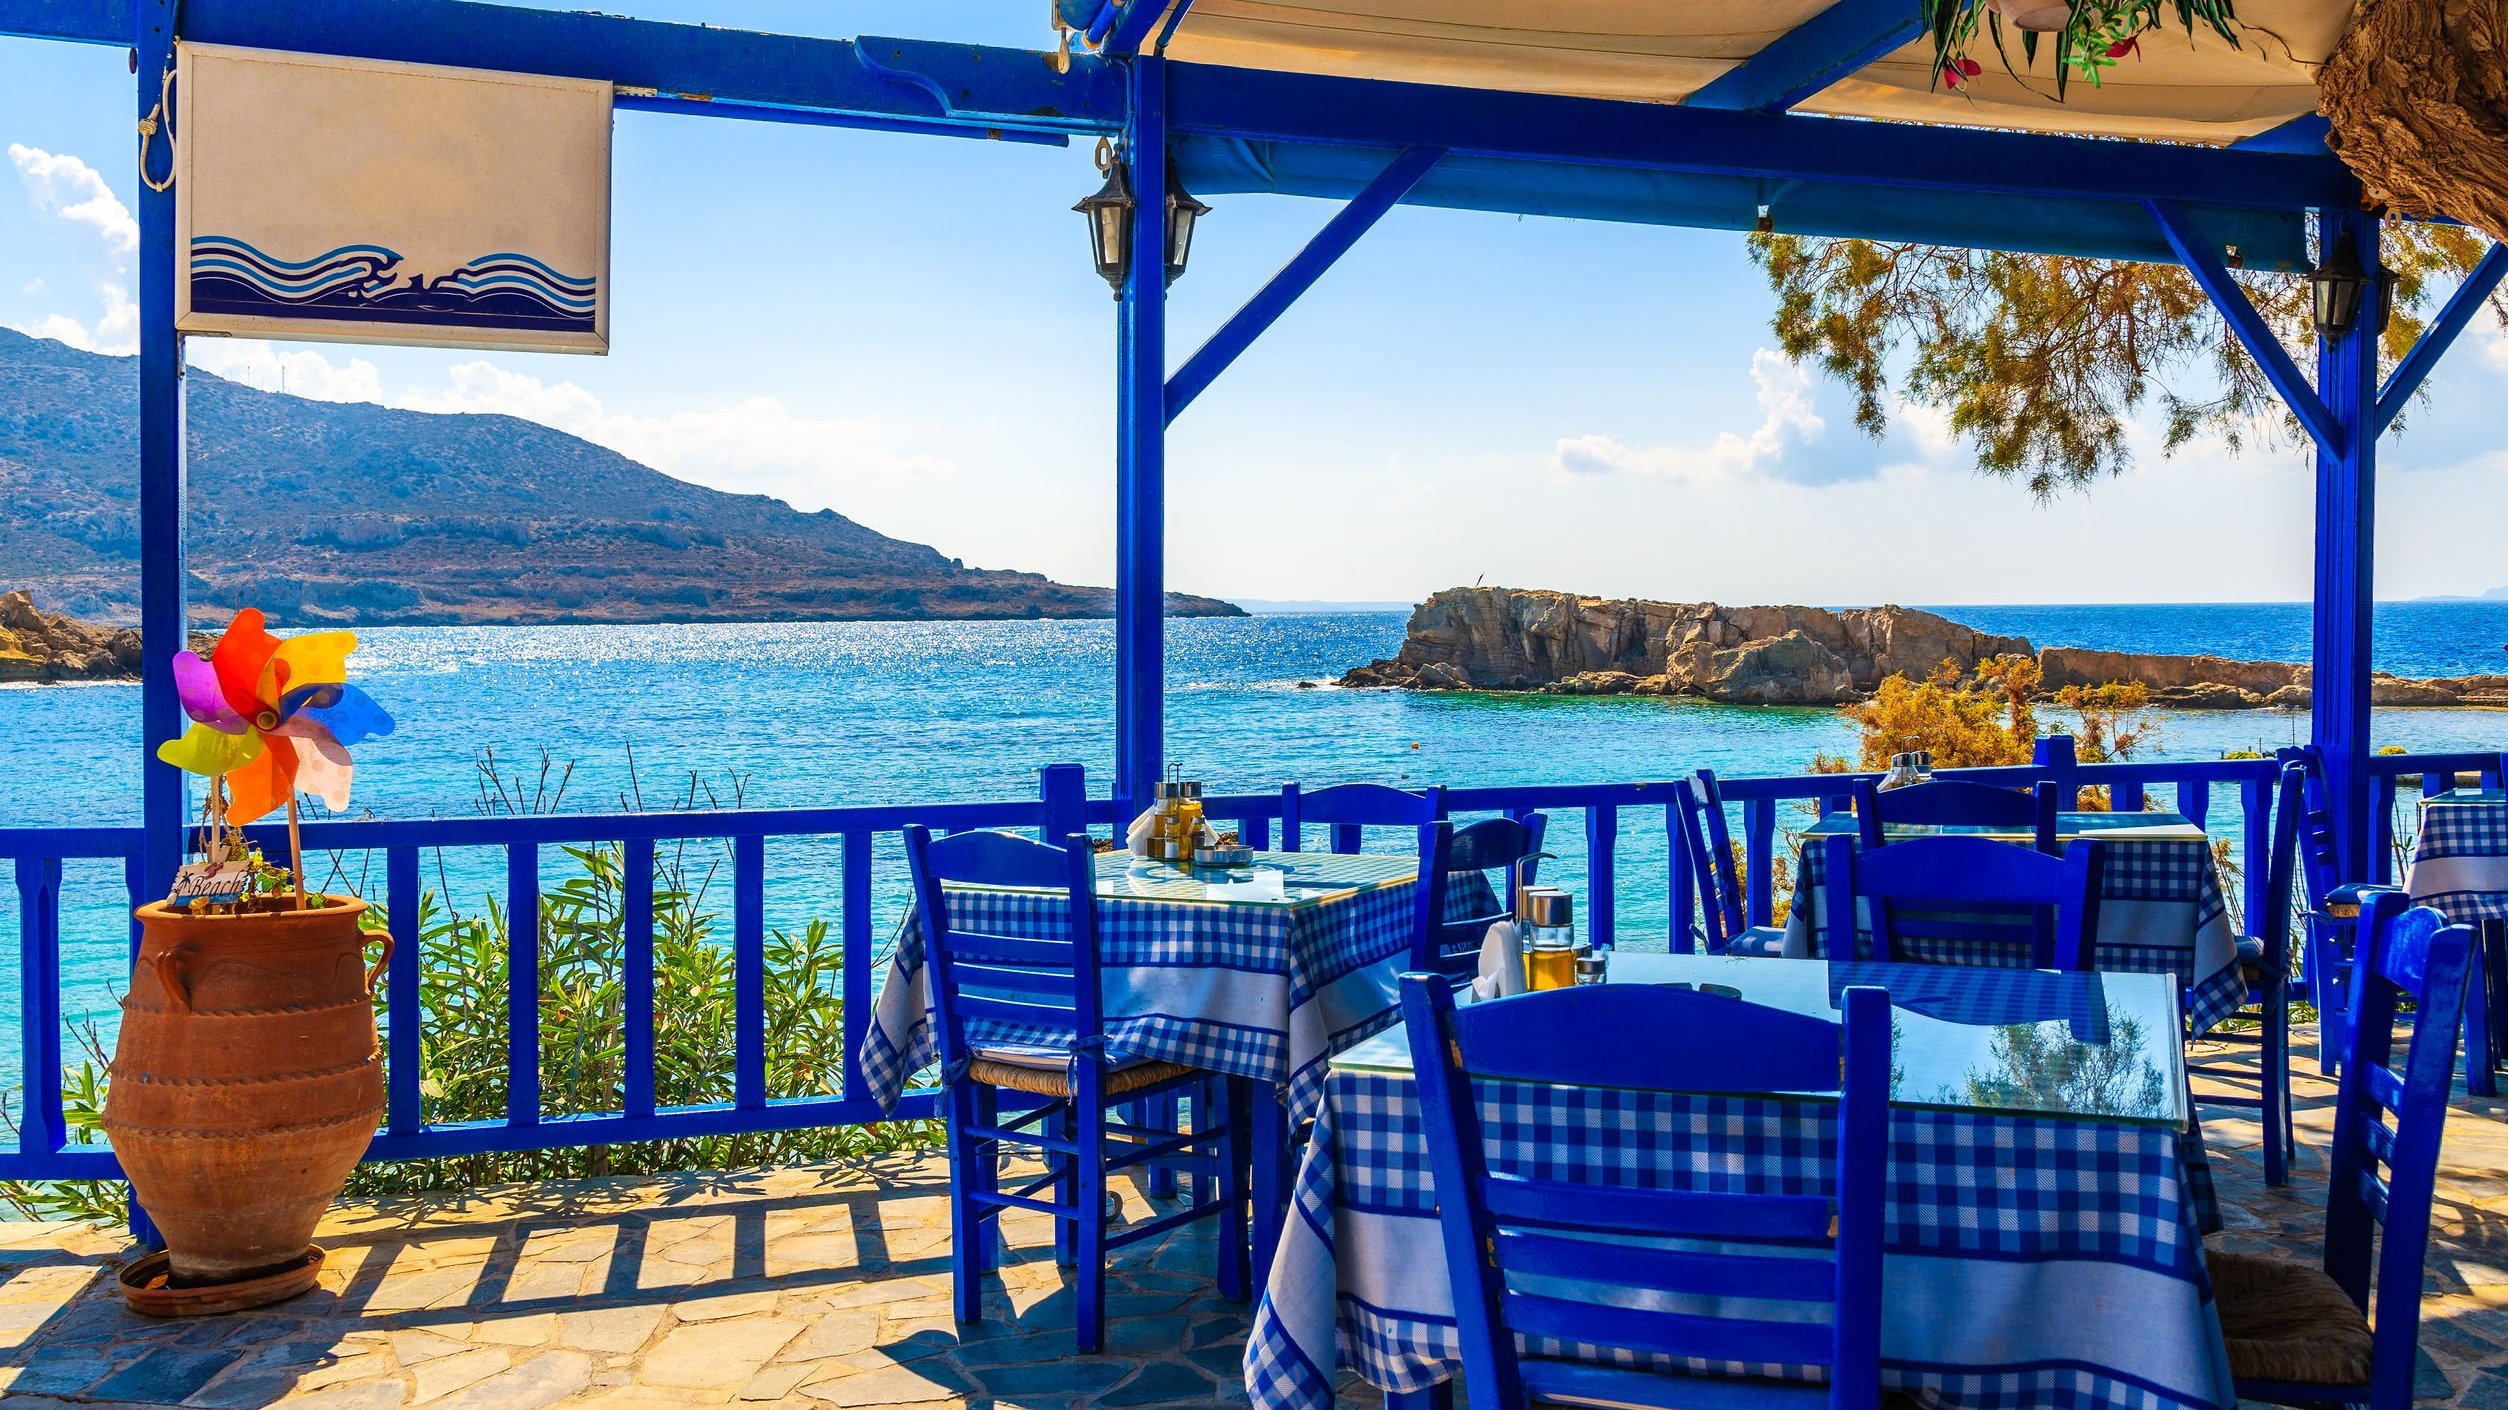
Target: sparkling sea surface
(812,715)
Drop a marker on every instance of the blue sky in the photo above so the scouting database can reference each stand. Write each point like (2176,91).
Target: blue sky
(906,330)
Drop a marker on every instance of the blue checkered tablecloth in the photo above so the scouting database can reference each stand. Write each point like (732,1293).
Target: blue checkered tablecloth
(2160,912)
(1261,990)
(2460,859)
(2029,1261)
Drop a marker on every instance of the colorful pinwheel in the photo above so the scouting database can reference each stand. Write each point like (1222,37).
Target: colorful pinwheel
(272,717)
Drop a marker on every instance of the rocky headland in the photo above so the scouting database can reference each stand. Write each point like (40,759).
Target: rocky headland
(36,645)
(1515,639)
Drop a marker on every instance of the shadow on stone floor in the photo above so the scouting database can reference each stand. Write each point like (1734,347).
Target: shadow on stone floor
(829,1286)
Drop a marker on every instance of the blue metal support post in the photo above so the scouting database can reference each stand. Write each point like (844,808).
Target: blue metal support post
(2346,534)
(1141,455)
(165,808)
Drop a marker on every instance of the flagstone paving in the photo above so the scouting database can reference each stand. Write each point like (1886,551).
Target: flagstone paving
(828,1286)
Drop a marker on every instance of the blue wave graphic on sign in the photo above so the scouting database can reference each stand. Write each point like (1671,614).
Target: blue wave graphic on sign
(364,283)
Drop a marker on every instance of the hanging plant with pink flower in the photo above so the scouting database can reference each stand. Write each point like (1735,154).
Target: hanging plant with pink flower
(2089,36)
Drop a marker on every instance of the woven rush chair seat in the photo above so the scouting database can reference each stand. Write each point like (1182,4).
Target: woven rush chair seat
(2289,1322)
(1056,1081)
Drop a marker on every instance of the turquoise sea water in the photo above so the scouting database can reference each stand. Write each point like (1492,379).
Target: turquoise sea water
(842,714)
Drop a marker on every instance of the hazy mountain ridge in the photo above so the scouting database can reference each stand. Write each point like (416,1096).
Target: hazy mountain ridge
(349,511)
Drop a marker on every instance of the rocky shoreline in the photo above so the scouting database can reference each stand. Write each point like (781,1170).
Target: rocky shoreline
(1557,643)
(36,645)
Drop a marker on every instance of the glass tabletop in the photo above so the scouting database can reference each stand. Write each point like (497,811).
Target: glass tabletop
(2026,1042)
(2458,797)
(2107,827)
(1273,879)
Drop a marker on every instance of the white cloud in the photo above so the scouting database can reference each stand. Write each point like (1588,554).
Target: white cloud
(1787,443)
(754,446)
(71,190)
(64,186)
(116,331)
(300,372)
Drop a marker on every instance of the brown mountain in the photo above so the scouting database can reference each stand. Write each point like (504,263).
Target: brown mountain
(329,511)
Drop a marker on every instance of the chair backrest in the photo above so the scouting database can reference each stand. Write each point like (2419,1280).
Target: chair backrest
(1719,888)
(1964,900)
(2321,858)
(1347,808)
(1006,988)
(2391,1116)
(1563,1259)
(2290,823)
(1450,945)
(1952,802)
(1711,861)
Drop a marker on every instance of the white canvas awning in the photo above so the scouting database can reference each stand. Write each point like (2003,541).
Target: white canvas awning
(2178,88)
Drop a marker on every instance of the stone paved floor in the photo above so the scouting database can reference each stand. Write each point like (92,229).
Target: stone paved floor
(828,1286)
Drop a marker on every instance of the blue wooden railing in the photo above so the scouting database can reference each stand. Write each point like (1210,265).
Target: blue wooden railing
(43,1149)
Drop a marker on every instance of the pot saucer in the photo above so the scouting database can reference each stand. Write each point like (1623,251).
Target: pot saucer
(148,1287)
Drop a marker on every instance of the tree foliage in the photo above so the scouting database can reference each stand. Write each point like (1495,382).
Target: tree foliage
(2041,361)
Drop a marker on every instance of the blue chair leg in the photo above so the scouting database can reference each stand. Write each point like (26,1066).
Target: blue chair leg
(1088,1273)
(966,1226)
(2273,1082)
(1270,1133)
(1160,1113)
(2480,1077)
(1235,1095)
(986,1173)
(1062,1126)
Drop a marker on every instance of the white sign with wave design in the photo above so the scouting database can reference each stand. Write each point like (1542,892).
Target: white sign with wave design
(344,200)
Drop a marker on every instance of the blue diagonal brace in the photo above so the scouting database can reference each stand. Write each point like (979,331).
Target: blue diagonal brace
(2435,339)
(2267,350)
(1813,55)
(1298,276)
(1132,25)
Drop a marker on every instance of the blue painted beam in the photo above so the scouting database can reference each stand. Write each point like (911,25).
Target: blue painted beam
(957,83)
(1814,54)
(2439,336)
(815,117)
(79,21)
(2204,263)
(1250,103)
(1141,456)
(165,806)
(2346,538)
(1296,277)
(2304,134)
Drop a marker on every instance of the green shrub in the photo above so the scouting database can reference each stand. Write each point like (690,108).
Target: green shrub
(583,1040)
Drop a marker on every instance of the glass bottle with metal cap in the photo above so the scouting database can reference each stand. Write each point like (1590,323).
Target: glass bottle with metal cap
(1548,916)
(1176,821)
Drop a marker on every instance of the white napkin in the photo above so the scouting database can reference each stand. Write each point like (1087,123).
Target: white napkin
(1501,962)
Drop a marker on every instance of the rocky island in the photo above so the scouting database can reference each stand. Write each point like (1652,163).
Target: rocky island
(1515,639)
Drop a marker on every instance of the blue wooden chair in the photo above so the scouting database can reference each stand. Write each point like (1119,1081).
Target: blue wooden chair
(2264,964)
(2302,1334)
(1556,1260)
(1952,802)
(1717,880)
(1949,894)
(1450,945)
(1021,1014)
(1348,808)
(1707,839)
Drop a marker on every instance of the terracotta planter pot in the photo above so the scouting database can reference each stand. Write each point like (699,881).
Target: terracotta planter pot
(246,1081)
